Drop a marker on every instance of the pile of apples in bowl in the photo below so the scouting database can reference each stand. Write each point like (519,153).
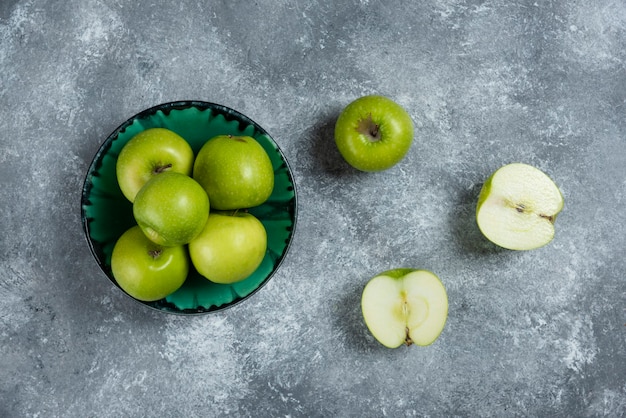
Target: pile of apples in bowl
(189,207)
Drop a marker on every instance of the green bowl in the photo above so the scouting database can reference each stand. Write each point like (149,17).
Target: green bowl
(106,213)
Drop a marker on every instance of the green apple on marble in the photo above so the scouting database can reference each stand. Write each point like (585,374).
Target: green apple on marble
(373,133)
(517,207)
(151,152)
(405,306)
(230,248)
(235,171)
(171,209)
(145,270)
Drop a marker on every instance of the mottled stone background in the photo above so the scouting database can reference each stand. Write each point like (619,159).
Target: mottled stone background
(538,333)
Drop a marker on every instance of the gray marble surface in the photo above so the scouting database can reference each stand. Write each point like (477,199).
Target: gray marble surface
(539,333)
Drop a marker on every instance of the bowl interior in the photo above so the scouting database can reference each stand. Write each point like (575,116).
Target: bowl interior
(106,213)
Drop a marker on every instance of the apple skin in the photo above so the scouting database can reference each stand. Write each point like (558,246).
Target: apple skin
(151,152)
(405,306)
(517,207)
(373,133)
(235,171)
(145,270)
(230,248)
(171,209)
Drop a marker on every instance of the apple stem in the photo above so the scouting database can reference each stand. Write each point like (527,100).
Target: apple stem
(369,128)
(236,138)
(548,217)
(374,130)
(155,253)
(407,341)
(161,168)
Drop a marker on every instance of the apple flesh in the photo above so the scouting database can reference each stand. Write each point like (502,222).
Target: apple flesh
(230,248)
(517,207)
(373,133)
(405,306)
(171,209)
(145,270)
(235,171)
(151,152)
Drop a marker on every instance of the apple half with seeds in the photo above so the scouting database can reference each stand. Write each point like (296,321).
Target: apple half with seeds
(405,306)
(517,207)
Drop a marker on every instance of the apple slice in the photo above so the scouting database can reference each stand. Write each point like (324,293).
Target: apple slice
(517,207)
(405,306)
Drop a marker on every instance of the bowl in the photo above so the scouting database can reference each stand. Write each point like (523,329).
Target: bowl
(106,213)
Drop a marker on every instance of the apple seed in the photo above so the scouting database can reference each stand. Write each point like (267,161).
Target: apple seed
(521,208)
(548,217)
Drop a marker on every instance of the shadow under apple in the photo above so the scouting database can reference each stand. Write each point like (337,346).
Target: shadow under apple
(324,152)
(463,224)
(349,323)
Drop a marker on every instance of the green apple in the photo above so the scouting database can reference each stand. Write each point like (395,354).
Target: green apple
(235,171)
(151,152)
(517,207)
(405,306)
(171,209)
(373,133)
(230,248)
(145,270)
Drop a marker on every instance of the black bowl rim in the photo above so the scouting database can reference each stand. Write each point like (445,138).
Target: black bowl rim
(166,107)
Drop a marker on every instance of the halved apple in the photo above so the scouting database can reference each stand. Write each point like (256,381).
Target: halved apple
(405,306)
(517,207)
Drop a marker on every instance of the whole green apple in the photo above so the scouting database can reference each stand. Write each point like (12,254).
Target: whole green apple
(373,133)
(145,270)
(517,207)
(230,248)
(171,209)
(405,306)
(235,171)
(151,152)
